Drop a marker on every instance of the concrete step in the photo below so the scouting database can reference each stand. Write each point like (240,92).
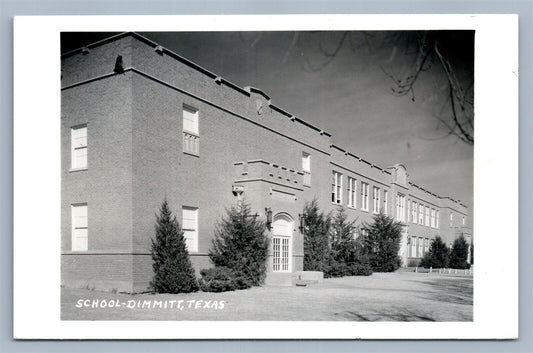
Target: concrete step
(305,283)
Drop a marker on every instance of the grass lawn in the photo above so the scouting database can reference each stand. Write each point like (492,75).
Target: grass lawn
(401,296)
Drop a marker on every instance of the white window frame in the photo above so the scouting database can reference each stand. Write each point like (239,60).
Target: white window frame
(426,245)
(78,147)
(352,192)
(364,196)
(376,199)
(437,219)
(414,212)
(191,131)
(451,219)
(421,214)
(386,202)
(280,242)
(400,207)
(190,227)
(427,216)
(420,244)
(306,167)
(336,192)
(80,224)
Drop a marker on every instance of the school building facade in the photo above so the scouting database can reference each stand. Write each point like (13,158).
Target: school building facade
(140,123)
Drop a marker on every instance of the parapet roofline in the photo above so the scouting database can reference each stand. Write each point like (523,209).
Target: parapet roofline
(359,158)
(440,197)
(218,79)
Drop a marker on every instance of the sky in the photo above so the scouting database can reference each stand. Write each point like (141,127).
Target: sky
(347,94)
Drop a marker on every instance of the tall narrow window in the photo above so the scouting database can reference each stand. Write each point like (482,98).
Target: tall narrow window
(400,207)
(352,192)
(413,214)
(437,220)
(451,219)
(376,199)
(427,216)
(80,227)
(408,210)
(421,214)
(364,196)
(281,243)
(386,202)
(433,218)
(306,167)
(463,220)
(78,143)
(420,247)
(426,245)
(190,227)
(336,188)
(191,137)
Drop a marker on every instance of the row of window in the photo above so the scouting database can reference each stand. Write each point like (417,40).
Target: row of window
(419,246)
(418,213)
(80,227)
(364,204)
(191,139)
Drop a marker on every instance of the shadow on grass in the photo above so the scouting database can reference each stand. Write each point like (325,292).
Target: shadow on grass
(393,315)
(452,291)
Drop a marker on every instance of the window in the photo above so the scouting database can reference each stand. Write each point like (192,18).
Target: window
(400,207)
(386,201)
(463,220)
(420,241)
(408,210)
(376,199)
(413,246)
(281,236)
(364,196)
(437,220)
(352,192)
(190,227)
(451,219)
(336,188)
(78,143)
(427,216)
(191,138)
(421,214)
(80,229)
(433,218)
(426,245)
(414,210)
(306,167)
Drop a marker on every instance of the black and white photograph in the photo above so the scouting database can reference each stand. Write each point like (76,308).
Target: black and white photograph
(271,177)
(310,175)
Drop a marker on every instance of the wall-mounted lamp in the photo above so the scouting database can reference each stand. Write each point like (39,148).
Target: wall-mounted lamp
(302,223)
(268,213)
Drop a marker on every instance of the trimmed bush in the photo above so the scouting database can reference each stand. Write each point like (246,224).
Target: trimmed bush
(361,269)
(241,244)
(217,279)
(173,272)
(437,256)
(222,279)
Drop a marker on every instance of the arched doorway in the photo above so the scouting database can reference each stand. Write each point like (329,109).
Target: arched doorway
(282,243)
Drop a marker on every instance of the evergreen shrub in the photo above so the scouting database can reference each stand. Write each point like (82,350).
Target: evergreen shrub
(241,244)
(173,272)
